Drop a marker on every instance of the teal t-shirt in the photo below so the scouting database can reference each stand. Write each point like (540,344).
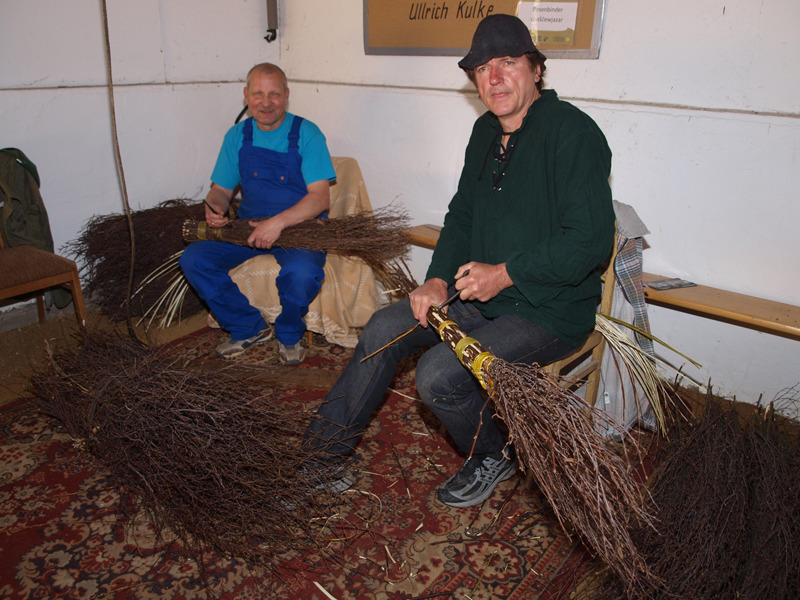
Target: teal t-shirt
(313,148)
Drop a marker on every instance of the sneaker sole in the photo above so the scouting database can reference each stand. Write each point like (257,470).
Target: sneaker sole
(293,362)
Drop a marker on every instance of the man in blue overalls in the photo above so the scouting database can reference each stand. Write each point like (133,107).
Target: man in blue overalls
(284,167)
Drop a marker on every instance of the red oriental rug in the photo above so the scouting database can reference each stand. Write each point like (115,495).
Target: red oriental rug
(63,536)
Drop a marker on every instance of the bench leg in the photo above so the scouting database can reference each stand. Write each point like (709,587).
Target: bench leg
(77,298)
(40,307)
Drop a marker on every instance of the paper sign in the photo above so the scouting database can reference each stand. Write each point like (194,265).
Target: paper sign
(550,22)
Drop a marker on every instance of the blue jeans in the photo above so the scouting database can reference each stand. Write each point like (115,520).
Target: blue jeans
(206,264)
(444,385)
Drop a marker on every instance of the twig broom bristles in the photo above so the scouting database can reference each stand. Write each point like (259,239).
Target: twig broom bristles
(216,464)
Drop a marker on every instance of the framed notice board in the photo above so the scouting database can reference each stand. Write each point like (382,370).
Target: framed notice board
(559,28)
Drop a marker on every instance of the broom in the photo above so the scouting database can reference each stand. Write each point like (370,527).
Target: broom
(212,464)
(371,235)
(588,485)
(103,248)
(376,237)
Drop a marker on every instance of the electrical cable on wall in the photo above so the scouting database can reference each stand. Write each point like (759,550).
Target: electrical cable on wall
(120,169)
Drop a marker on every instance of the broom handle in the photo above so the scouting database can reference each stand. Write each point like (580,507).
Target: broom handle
(236,232)
(468,350)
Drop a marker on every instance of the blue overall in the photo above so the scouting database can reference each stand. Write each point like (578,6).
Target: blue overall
(271,182)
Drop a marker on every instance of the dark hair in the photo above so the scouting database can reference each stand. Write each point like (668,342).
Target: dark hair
(534,59)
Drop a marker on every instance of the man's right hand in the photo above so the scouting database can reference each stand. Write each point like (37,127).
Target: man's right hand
(431,293)
(216,204)
(214,219)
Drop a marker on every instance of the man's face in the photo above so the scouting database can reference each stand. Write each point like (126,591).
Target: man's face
(507,86)
(266,97)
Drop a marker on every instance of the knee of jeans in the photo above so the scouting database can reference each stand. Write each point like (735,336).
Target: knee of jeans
(380,334)
(297,290)
(375,334)
(301,274)
(432,385)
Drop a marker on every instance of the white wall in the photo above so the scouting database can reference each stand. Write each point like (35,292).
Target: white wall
(698,100)
(178,69)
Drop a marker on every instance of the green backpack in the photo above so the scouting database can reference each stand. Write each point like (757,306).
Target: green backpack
(23,216)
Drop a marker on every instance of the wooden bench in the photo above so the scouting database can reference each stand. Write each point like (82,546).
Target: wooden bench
(731,307)
(740,309)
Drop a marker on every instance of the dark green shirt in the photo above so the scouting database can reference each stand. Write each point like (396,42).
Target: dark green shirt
(551,221)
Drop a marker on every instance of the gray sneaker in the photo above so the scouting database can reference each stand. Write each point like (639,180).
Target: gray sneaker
(334,480)
(233,348)
(291,355)
(340,484)
(476,480)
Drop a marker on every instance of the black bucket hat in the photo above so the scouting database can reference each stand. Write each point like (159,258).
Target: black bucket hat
(498,35)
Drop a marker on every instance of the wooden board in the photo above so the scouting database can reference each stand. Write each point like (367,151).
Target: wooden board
(741,309)
(425,236)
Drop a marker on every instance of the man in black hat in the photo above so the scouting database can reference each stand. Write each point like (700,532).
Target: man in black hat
(523,240)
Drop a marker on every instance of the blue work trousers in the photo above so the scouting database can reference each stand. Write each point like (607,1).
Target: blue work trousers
(206,265)
(444,385)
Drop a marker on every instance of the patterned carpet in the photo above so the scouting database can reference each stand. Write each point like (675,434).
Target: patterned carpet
(62,536)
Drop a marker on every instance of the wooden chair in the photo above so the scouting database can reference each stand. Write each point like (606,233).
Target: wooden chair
(583,366)
(27,269)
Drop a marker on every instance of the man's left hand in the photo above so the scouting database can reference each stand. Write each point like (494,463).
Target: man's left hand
(483,282)
(265,233)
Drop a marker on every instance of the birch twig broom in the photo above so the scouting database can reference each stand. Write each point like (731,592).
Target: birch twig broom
(211,464)
(588,485)
(374,236)
(553,431)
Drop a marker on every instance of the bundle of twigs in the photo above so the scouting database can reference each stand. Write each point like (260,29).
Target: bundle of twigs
(103,249)
(589,486)
(727,495)
(374,236)
(214,463)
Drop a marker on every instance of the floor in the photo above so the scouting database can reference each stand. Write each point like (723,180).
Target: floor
(25,343)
